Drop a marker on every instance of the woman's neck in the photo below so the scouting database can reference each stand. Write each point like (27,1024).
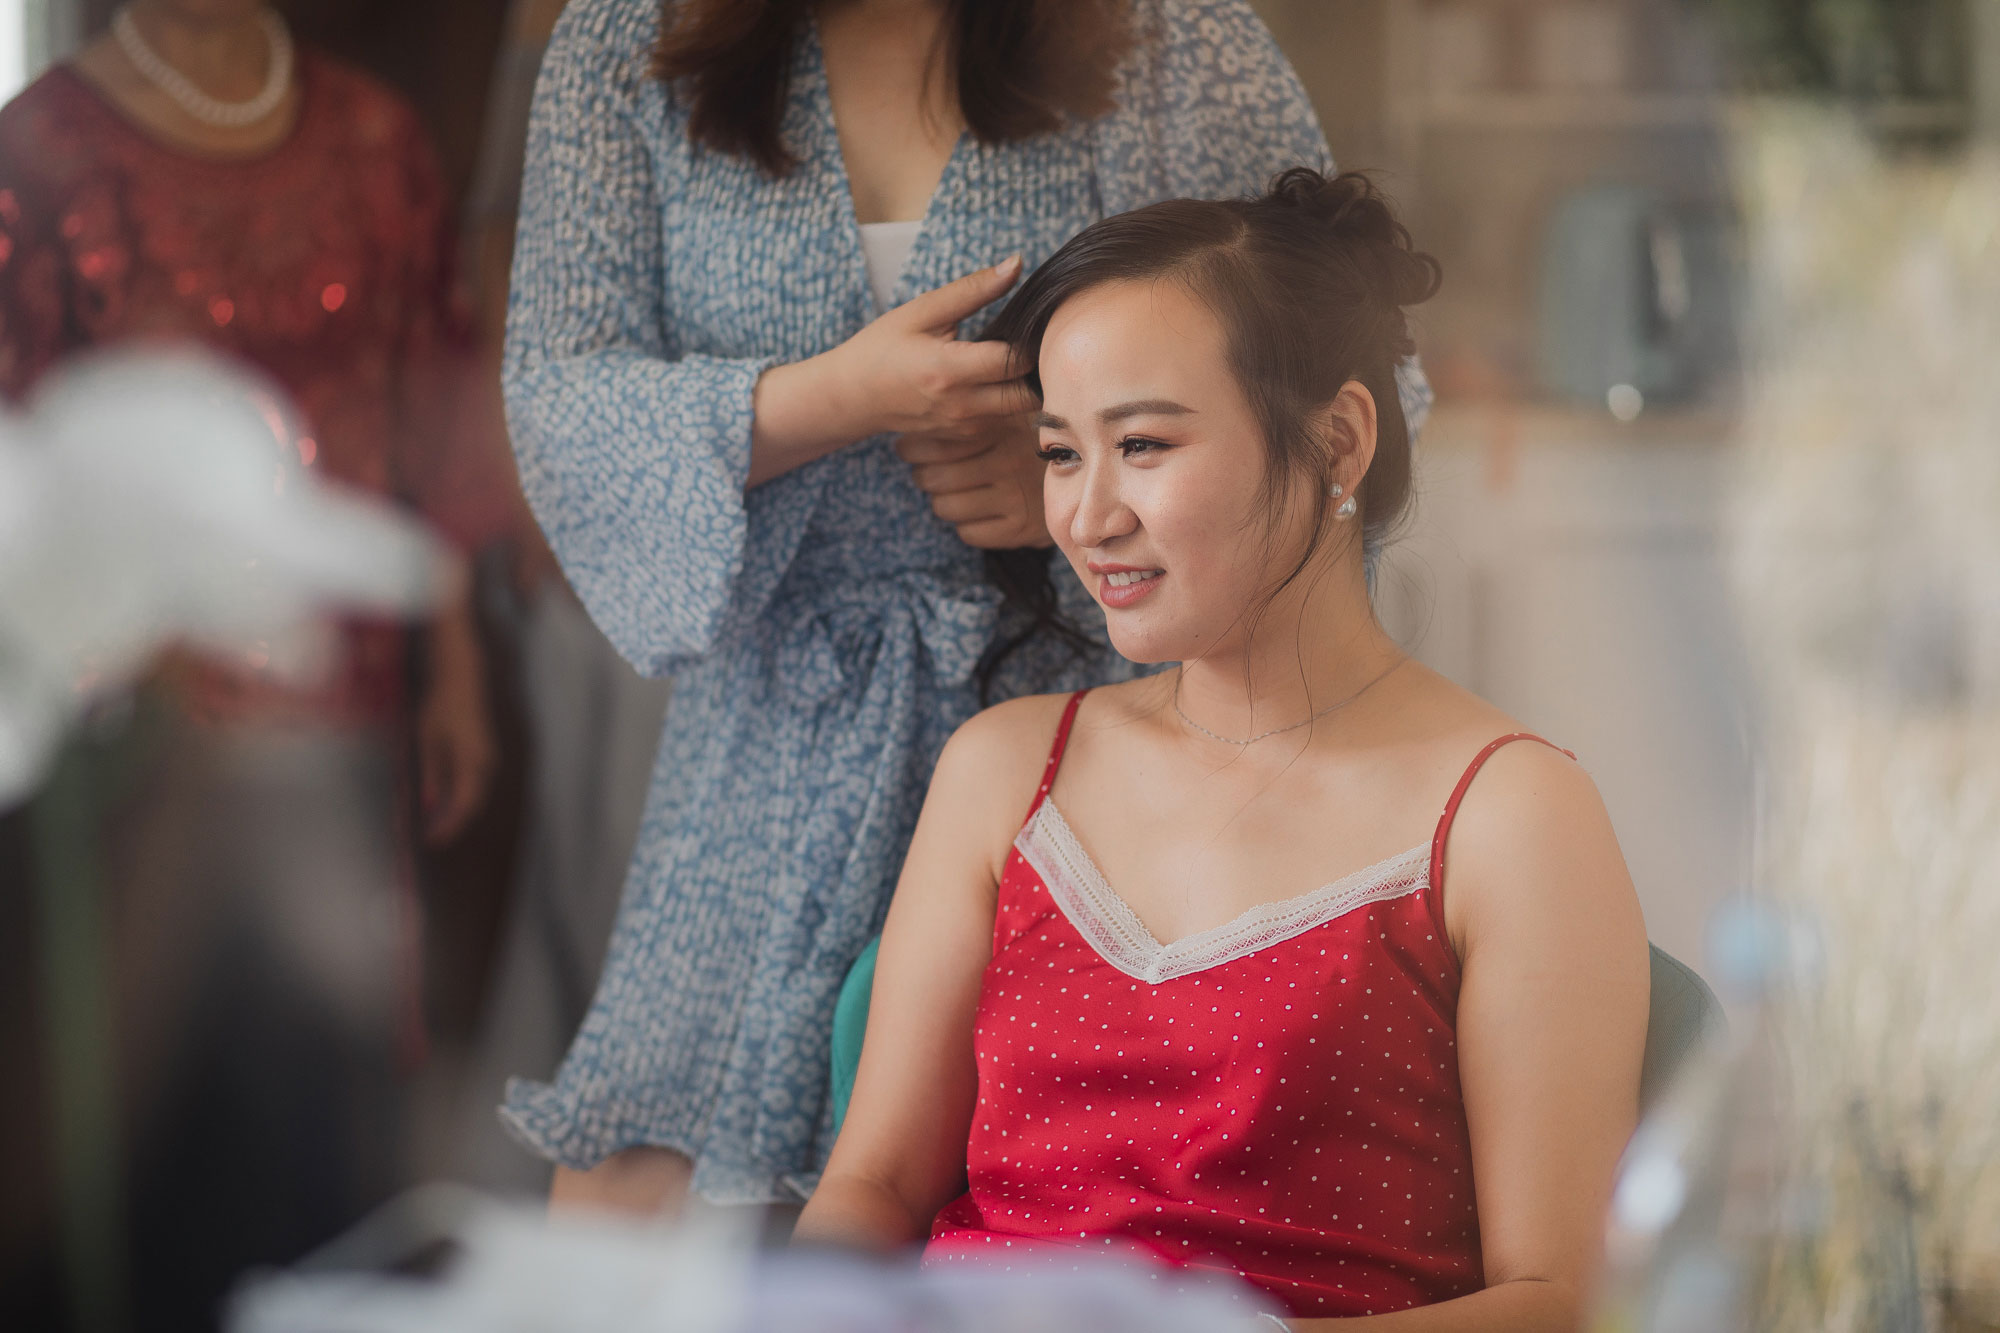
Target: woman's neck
(227,55)
(1315,646)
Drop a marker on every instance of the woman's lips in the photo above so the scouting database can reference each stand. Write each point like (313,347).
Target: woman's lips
(1129,588)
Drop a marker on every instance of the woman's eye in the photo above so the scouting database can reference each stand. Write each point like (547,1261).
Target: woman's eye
(1056,453)
(1139,444)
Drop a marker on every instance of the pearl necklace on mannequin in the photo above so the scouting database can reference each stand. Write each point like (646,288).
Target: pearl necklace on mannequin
(182,91)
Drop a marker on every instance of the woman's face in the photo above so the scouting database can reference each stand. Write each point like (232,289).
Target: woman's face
(1155,488)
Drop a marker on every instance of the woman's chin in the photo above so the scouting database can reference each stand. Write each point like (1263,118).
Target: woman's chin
(1136,643)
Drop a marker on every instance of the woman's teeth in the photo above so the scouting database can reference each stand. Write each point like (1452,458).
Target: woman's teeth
(1126,580)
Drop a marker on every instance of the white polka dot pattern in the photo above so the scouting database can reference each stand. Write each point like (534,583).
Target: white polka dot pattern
(1290,1112)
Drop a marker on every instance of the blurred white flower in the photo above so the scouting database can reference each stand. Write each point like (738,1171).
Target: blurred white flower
(1867,562)
(158,497)
(521,1270)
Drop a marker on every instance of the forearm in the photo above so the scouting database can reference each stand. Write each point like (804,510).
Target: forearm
(801,412)
(1523,1306)
(857,1213)
(452,648)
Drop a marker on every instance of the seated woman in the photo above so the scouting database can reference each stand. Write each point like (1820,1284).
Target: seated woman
(1236,993)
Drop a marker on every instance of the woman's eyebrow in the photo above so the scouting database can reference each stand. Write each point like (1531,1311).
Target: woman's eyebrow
(1144,407)
(1139,407)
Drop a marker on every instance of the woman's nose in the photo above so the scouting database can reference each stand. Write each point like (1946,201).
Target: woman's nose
(1102,513)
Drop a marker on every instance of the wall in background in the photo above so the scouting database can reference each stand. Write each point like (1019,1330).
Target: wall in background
(1562,563)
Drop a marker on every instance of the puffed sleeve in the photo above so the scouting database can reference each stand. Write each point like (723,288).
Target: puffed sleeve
(632,455)
(1209,108)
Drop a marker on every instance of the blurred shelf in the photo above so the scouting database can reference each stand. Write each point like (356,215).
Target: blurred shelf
(1609,110)
(1479,425)
(1569,110)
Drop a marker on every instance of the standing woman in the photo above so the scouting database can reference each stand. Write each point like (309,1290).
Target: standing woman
(193,176)
(770,467)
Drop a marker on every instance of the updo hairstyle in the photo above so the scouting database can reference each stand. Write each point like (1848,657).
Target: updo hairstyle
(1310,281)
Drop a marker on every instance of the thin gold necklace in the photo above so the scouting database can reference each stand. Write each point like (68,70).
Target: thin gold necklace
(1292,726)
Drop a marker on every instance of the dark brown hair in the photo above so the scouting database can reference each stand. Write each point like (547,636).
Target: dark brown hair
(1309,281)
(1020,67)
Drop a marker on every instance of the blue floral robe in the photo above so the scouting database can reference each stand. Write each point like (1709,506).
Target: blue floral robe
(822,629)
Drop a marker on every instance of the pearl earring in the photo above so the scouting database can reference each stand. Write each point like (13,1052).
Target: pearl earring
(1346,509)
(1335,491)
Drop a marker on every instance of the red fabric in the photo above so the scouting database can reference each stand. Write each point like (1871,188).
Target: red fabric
(322,263)
(1291,1115)
(1434,883)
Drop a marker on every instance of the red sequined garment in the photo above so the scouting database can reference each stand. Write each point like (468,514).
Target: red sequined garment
(322,263)
(1276,1098)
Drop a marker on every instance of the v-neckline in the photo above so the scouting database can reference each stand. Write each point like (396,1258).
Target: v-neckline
(1108,923)
(954,167)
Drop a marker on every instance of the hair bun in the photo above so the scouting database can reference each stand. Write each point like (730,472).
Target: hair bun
(1351,207)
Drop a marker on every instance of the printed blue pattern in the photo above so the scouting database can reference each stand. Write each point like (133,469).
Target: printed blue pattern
(821,630)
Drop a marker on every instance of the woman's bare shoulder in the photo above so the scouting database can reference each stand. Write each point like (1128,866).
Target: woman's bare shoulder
(1534,841)
(1003,748)
(988,774)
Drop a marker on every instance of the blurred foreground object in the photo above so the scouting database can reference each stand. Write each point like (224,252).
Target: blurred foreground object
(152,499)
(241,906)
(1867,562)
(491,1269)
(1694,1207)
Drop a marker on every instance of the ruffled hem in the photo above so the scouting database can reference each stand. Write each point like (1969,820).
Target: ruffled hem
(543,1119)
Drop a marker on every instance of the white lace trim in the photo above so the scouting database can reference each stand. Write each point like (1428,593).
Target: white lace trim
(1115,931)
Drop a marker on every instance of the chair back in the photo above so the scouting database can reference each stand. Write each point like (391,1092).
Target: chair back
(1682,1015)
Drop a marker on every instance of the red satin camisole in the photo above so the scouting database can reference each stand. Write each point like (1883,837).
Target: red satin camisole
(1276,1098)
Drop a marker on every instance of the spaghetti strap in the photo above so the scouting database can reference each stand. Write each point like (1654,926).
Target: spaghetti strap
(1434,881)
(1056,753)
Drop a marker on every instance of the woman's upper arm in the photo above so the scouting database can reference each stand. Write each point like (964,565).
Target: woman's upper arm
(914,1094)
(1551,1011)
(632,454)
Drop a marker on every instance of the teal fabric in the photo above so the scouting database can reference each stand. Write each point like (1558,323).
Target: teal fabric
(850,1023)
(1682,1015)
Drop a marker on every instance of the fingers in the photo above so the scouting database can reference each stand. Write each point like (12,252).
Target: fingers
(980,363)
(970,506)
(1003,534)
(1012,399)
(920,450)
(948,478)
(943,307)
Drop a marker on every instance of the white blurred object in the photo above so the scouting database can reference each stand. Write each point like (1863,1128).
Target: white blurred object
(1867,562)
(1695,1206)
(13,48)
(521,1270)
(156,498)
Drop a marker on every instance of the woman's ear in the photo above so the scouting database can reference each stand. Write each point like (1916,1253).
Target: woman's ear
(1347,424)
